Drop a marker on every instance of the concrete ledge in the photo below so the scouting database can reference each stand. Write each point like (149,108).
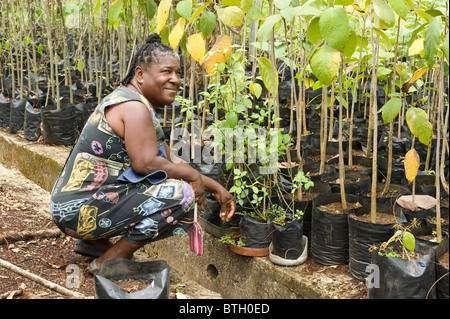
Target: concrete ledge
(219,269)
(40,163)
(241,277)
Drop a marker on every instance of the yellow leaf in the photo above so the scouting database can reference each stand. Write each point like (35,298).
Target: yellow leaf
(400,68)
(416,47)
(309,83)
(162,14)
(412,163)
(199,11)
(177,33)
(219,53)
(417,75)
(195,45)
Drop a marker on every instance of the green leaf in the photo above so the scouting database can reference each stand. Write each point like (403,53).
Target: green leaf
(384,15)
(231,3)
(400,7)
(282,4)
(391,109)
(343,2)
(207,23)
(419,124)
(256,89)
(288,15)
(114,10)
(232,120)
(265,30)
(151,8)
(314,34)
(184,9)
(432,40)
(268,72)
(351,44)
(246,5)
(232,16)
(198,11)
(445,47)
(334,27)
(325,64)
(307,11)
(409,241)
(410,4)
(386,39)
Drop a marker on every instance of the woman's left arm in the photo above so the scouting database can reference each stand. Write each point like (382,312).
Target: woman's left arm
(226,200)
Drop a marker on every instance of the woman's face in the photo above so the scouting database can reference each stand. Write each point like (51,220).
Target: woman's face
(160,81)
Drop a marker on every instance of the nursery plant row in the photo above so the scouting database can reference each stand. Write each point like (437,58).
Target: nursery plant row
(327,120)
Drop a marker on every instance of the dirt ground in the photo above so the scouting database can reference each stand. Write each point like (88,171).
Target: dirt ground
(24,207)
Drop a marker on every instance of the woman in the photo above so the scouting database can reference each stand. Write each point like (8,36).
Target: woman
(119,178)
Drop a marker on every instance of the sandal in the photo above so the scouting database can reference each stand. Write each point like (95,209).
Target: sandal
(86,248)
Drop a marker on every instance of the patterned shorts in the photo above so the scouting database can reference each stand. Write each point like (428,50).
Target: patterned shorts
(141,212)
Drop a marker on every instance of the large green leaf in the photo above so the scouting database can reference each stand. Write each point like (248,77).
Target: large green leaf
(419,124)
(149,7)
(400,7)
(268,74)
(114,10)
(391,109)
(207,23)
(432,40)
(184,9)
(325,64)
(384,15)
(334,27)
(265,30)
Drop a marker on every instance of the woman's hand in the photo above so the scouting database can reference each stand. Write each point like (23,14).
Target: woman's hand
(227,203)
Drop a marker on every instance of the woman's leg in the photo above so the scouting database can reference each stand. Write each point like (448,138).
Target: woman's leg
(102,243)
(121,249)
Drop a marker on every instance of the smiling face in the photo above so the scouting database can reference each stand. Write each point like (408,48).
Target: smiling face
(159,81)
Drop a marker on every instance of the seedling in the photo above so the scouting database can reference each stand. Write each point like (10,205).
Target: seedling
(401,244)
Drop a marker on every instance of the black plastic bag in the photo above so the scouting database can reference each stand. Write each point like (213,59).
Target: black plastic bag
(356,182)
(287,239)
(5,109)
(398,278)
(32,123)
(254,233)
(362,235)
(59,126)
(442,272)
(398,169)
(16,118)
(329,231)
(156,273)
(306,208)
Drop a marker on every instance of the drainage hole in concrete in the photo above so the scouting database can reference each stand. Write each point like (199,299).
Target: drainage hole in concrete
(212,271)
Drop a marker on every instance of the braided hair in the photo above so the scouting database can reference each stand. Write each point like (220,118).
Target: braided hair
(151,51)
